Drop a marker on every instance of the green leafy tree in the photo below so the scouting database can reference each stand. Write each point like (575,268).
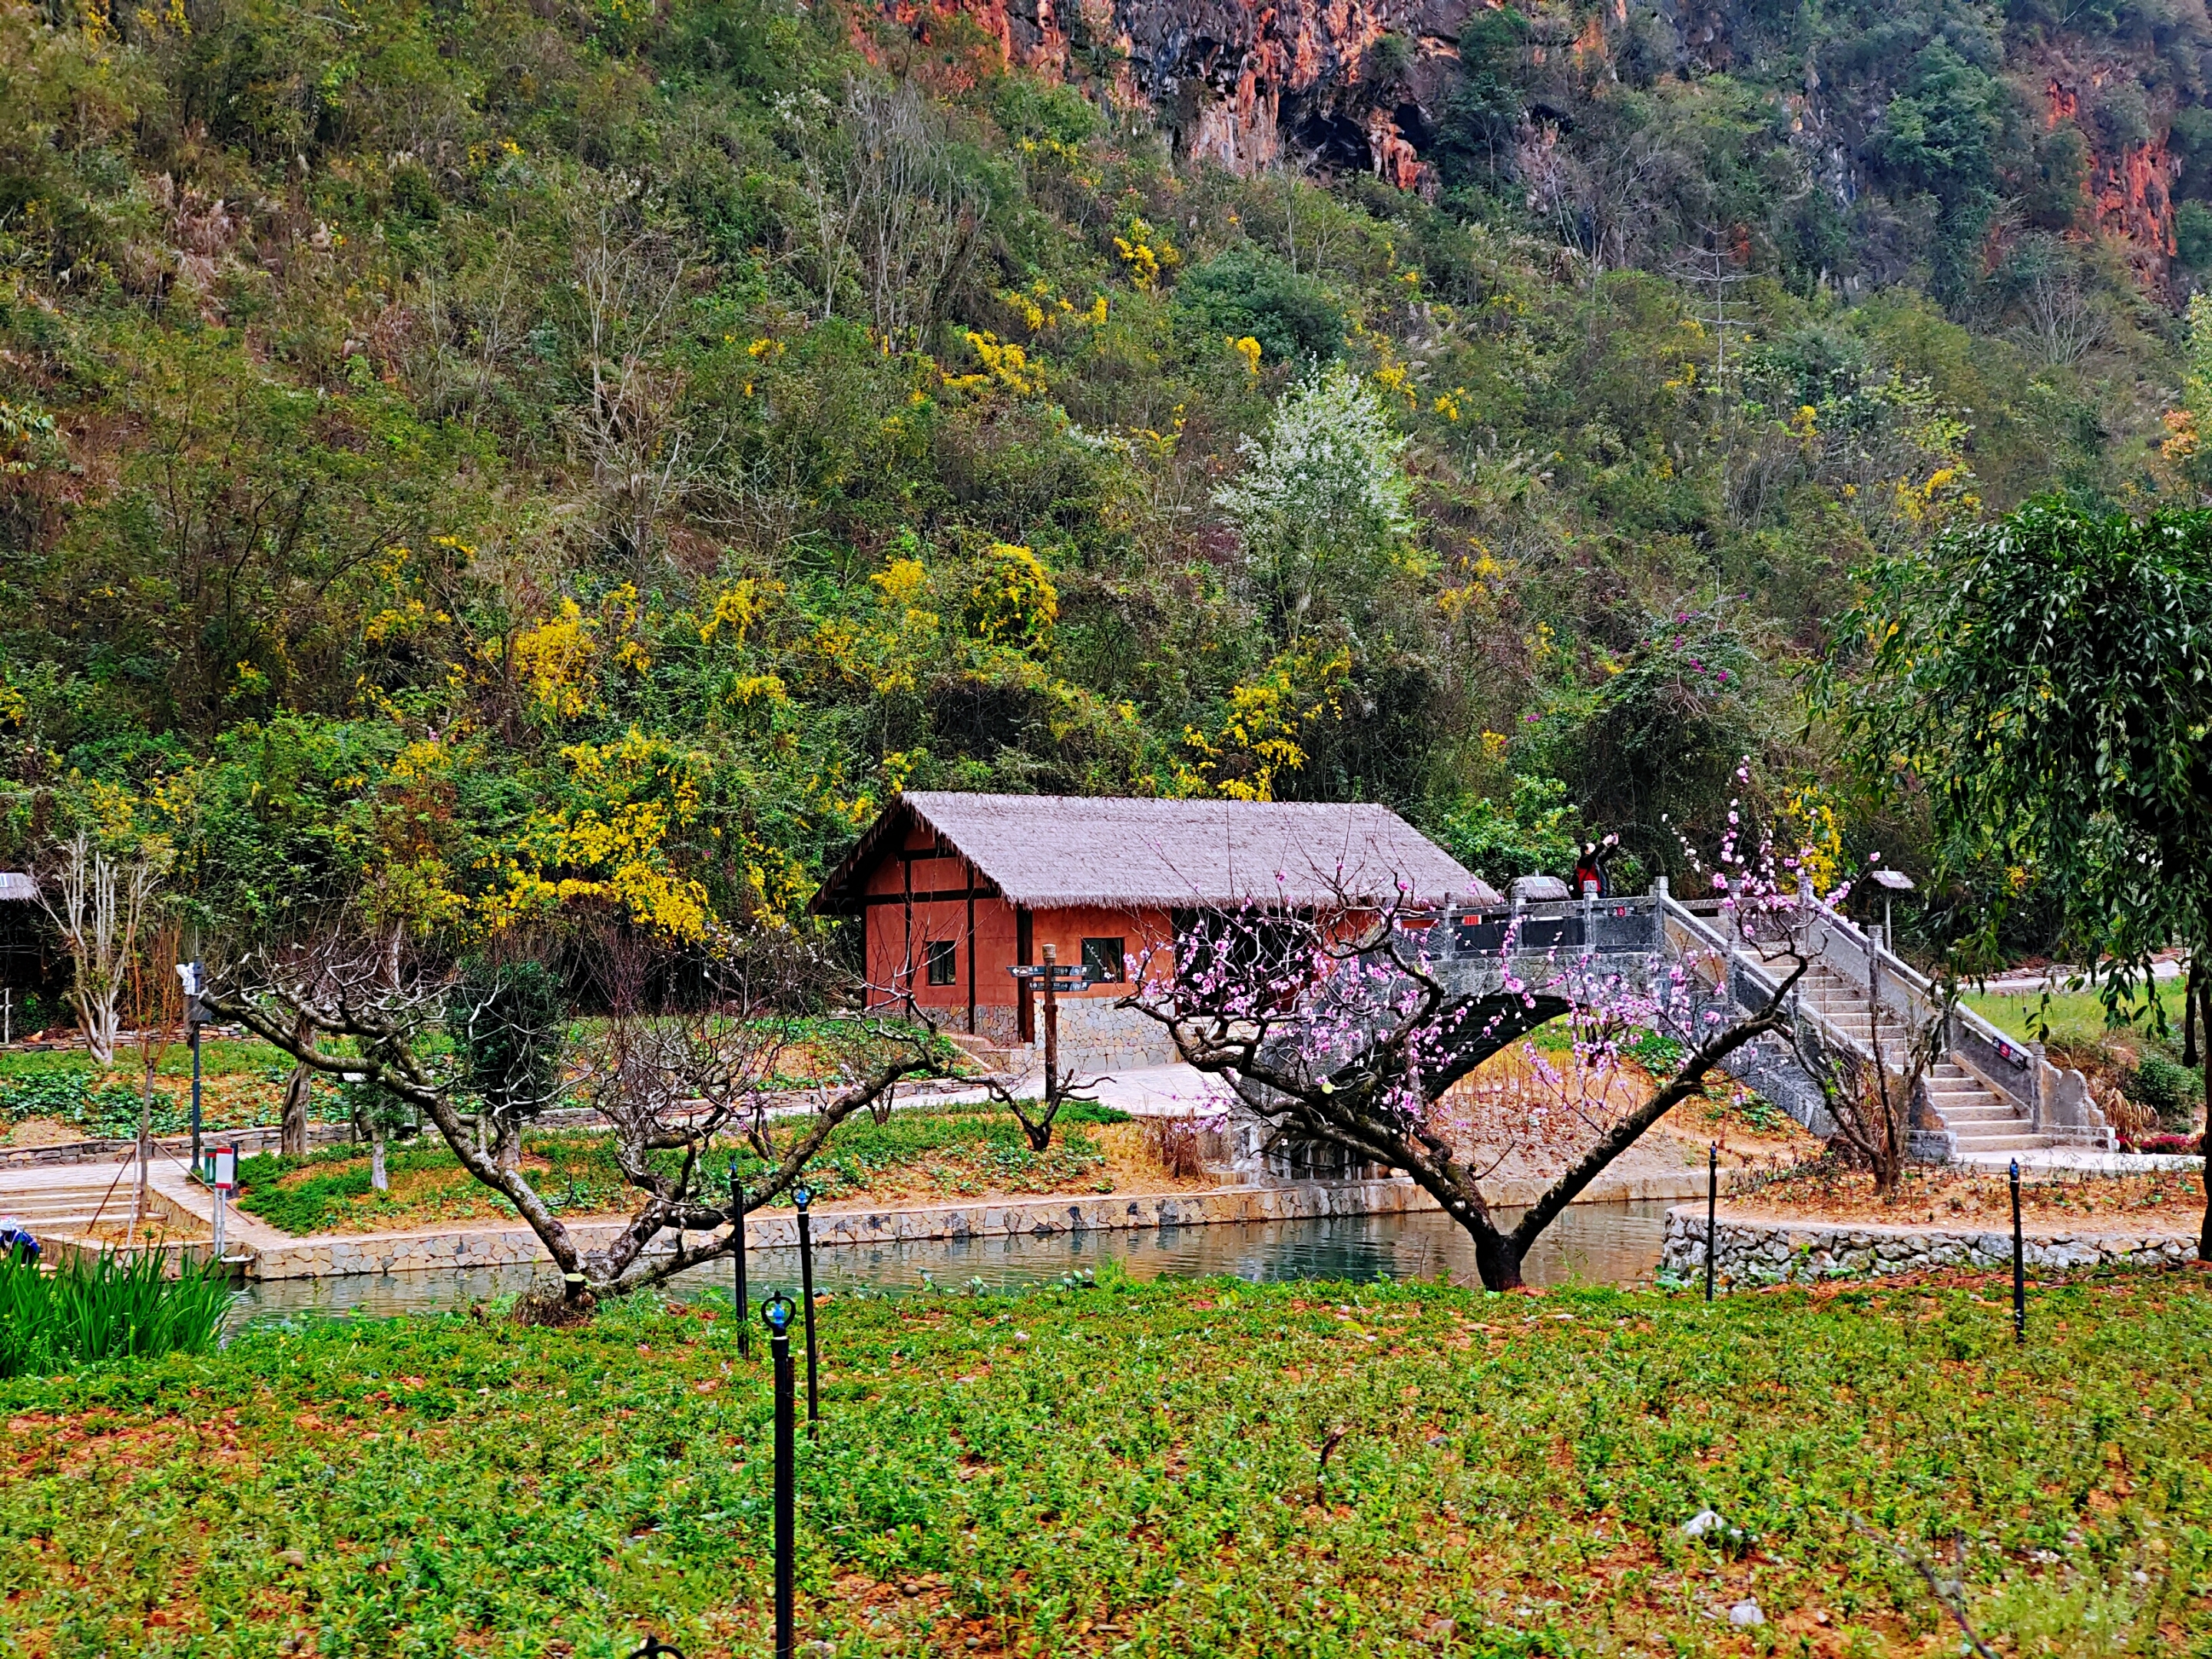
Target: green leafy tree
(1531,832)
(1246,291)
(509,1022)
(2047,680)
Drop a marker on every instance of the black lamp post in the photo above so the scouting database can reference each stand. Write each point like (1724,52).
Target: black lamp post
(775,1312)
(738,1256)
(801,1197)
(190,973)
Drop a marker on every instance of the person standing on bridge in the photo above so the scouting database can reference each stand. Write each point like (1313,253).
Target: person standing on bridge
(1592,879)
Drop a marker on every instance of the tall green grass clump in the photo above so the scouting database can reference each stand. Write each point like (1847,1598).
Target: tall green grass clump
(109,1306)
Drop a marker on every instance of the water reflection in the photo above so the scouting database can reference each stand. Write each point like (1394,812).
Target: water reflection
(1594,1243)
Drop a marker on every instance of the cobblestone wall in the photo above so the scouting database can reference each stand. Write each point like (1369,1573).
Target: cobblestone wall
(1753,1252)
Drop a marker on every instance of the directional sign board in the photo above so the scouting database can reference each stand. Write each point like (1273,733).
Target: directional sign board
(1066,976)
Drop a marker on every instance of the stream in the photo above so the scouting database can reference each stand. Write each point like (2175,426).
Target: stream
(1591,1243)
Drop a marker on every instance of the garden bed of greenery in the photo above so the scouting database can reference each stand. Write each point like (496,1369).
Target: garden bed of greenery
(922,1154)
(1120,1469)
(85,1308)
(241,1087)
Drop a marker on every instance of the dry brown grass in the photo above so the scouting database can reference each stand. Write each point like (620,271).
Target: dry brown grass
(1939,1195)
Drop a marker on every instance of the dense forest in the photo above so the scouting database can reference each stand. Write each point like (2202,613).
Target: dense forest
(482,461)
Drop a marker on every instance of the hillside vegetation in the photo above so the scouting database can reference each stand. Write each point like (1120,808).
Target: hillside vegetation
(487,460)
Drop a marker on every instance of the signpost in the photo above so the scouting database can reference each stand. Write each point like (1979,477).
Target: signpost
(1055,978)
(222,1174)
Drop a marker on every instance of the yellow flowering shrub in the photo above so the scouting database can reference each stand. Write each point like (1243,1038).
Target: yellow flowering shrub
(609,845)
(1814,837)
(1259,739)
(553,662)
(1013,602)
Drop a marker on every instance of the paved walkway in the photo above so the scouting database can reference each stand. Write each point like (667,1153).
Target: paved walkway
(2062,978)
(2084,1159)
(1149,1091)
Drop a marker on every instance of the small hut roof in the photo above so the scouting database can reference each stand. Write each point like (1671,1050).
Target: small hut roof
(1050,851)
(14,884)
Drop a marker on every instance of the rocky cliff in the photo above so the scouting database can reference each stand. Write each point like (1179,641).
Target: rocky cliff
(1359,85)
(1245,83)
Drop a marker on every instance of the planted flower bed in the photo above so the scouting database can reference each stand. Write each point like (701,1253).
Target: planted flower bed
(1209,1468)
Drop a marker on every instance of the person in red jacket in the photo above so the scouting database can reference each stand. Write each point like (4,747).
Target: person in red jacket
(1592,880)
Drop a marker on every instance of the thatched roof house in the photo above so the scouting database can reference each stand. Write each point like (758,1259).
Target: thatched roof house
(957,889)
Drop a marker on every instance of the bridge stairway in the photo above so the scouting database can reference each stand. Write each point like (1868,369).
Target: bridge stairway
(1978,1117)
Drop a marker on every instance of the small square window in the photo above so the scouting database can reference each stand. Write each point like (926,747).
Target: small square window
(1104,959)
(943,958)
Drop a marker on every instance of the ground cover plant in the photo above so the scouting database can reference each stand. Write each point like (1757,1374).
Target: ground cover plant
(1182,1468)
(65,1094)
(109,1306)
(919,1154)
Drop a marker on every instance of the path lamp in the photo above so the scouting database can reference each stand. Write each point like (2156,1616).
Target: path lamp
(802,1198)
(775,1313)
(190,973)
(737,1255)
(2019,1272)
(222,1174)
(1892,883)
(1712,1203)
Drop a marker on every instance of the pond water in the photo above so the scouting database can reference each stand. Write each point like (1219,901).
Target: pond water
(1593,1243)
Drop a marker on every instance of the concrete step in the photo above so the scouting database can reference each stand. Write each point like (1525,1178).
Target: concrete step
(49,1207)
(2020,1143)
(1994,1112)
(1961,1089)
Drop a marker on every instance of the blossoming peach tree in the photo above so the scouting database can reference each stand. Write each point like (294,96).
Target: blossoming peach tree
(1343,1026)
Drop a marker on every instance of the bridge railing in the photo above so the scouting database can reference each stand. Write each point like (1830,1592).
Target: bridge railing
(1572,926)
(2056,1103)
(1903,990)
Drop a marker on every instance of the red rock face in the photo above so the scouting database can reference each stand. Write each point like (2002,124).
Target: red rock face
(1247,84)
(2130,191)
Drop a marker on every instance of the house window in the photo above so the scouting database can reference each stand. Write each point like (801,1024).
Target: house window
(943,958)
(1104,958)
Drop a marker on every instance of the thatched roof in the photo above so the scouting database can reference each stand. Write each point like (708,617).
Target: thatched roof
(14,884)
(1047,851)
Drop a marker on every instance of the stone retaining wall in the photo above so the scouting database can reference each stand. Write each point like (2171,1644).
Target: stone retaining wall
(1767,1252)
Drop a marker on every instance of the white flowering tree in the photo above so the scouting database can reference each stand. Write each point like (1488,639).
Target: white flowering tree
(1341,1030)
(1323,499)
(99,900)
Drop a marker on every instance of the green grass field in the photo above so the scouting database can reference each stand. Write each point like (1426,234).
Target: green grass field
(945,1151)
(219,1057)
(1139,1470)
(2076,1019)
